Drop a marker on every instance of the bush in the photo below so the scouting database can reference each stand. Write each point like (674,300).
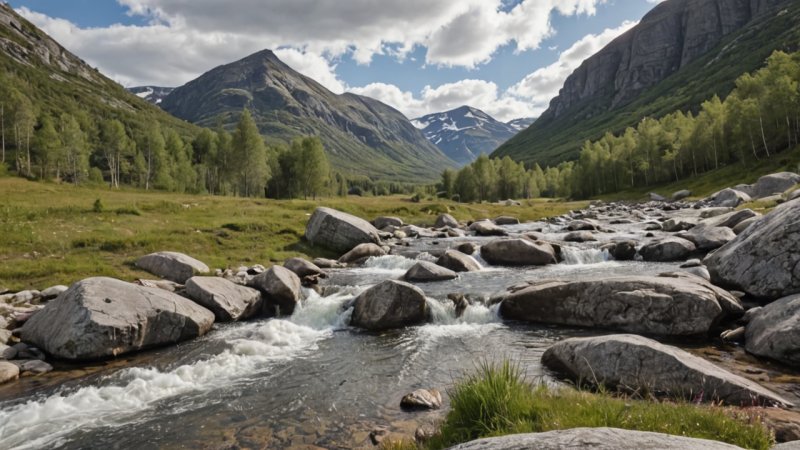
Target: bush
(128,212)
(98,206)
(96,176)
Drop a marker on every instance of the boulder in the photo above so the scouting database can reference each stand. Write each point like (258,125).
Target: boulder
(776,183)
(487,228)
(427,271)
(101,317)
(581,225)
(680,195)
(657,198)
(446,220)
(763,260)
(729,198)
(699,271)
(7,352)
(339,231)
(8,372)
(678,224)
(228,301)
(794,195)
(730,219)
(303,268)
(383,222)
(361,253)
(325,263)
(707,213)
(518,252)
(281,289)
(468,248)
(709,238)
(53,292)
(173,266)
(33,367)
(593,438)
(579,236)
(637,364)
(422,399)
(669,304)
(622,250)
(458,262)
(506,220)
(774,331)
(745,224)
(388,305)
(667,249)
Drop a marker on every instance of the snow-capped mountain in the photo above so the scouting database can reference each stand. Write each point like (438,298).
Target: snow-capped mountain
(153,94)
(464,133)
(521,124)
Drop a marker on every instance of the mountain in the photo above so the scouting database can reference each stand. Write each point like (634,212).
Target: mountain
(680,54)
(153,94)
(361,135)
(521,124)
(37,71)
(464,133)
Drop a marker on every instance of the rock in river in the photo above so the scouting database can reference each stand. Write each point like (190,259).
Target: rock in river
(227,300)
(8,372)
(637,364)
(422,399)
(339,231)
(173,266)
(670,304)
(427,271)
(487,228)
(774,331)
(101,317)
(667,249)
(281,288)
(390,304)
(518,252)
(458,261)
(361,252)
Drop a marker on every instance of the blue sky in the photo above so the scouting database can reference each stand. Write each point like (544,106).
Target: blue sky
(507,57)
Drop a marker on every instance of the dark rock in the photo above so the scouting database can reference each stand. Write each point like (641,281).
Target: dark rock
(622,250)
(468,248)
(776,183)
(506,220)
(667,249)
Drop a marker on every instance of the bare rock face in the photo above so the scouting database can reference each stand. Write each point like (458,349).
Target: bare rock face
(458,261)
(339,231)
(101,317)
(390,304)
(635,363)
(173,266)
(281,289)
(764,259)
(518,252)
(228,301)
(593,438)
(774,331)
(670,305)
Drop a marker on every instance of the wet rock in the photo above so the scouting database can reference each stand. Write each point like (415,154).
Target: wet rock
(33,367)
(579,236)
(325,263)
(383,222)
(506,220)
(460,302)
(303,268)
(361,253)
(594,438)
(424,271)
(446,220)
(281,289)
(776,183)
(339,231)
(581,225)
(53,292)
(669,304)
(709,238)
(422,399)
(774,331)
(390,304)
(729,198)
(638,364)
(8,372)
(667,249)
(518,252)
(487,228)
(101,317)
(468,248)
(228,301)
(764,260)
(458,262)
(172,266)
(622,250)
(680,195)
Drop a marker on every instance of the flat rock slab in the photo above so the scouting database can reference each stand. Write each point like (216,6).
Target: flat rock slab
(173,266)
(101,317)
(339,231)
(228,301)
(634,363)
(671,304)
(593,438)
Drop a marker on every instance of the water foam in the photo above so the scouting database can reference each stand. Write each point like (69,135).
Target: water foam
(388,263)
(577,256)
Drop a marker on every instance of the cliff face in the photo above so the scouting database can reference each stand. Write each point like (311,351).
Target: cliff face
(671,36)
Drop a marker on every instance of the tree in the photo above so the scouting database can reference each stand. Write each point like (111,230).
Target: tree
(250,156)
(76,149)
(115,145)
(448,181)
(483,171)
(24,121)
(310,165)
(47,145)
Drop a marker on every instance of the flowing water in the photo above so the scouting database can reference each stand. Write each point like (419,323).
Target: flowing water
(308,379)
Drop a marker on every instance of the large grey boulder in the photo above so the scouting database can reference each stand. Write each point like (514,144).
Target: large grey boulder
(446,220)
(593,438)
(621,250)
(680,195)
(706,237)
(506,220)
(776,183)
(487,228)
(730,219)
(361,253)
(745,224)
(427,271)
(101,317)
(518,252)
(390,304)
(669,304)
(581,225)
(339,231)
(228,301)
(729,198)
(579,236)
(637,364)
(281,289)
(774,331)
(764,259)
(667,249)
(303,268)
(458,261)
(173,266)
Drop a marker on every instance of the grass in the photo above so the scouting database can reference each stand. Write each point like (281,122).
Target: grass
(52,233)
(497,400)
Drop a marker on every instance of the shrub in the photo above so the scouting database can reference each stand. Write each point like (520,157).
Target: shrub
(96,176)
(98,206)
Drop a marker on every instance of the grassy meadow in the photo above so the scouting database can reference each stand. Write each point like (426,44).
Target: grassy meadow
(53,234)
